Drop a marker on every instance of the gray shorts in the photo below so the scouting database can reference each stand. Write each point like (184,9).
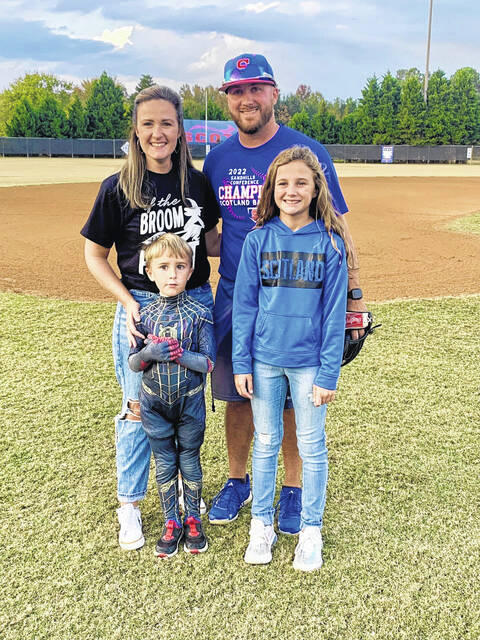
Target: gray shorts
(223,385)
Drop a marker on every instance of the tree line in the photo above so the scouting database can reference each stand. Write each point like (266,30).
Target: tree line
(391,110)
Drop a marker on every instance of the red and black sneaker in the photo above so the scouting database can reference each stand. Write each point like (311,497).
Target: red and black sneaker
(194,540)
(167,545)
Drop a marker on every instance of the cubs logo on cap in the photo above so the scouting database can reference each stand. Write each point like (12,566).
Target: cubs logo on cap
(245,69)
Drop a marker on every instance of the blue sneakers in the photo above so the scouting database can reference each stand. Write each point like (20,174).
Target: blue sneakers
(228,502)
(289,509)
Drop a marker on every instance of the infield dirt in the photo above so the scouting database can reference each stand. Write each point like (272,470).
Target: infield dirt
(398,225)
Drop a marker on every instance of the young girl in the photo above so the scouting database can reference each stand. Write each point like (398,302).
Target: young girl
(288,328)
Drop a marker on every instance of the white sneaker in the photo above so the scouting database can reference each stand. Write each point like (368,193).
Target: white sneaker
(181,501)
(262,539)
(308,552)
(131,535)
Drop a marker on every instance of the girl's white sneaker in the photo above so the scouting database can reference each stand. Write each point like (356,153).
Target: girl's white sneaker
(131,535)
(262,539)
(308,552)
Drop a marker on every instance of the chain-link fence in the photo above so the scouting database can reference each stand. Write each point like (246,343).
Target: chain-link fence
(88,148)
(67,147)
(402,153)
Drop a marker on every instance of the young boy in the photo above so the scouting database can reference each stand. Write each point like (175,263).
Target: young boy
(175,356)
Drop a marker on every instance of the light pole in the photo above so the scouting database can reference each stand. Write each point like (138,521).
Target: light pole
(207,146)
(425,81)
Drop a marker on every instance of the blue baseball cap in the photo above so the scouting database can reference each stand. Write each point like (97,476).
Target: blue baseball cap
(245,69)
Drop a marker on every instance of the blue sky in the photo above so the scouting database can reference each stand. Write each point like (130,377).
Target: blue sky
(332,46)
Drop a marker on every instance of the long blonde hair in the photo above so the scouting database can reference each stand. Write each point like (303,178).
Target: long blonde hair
(321,207)
(132,181)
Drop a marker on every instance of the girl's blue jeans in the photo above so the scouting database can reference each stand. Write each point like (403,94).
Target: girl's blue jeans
(132,446)
(269,391)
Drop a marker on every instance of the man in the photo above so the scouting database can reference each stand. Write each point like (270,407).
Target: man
(237,170)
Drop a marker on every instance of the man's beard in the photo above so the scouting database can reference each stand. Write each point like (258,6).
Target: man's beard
(265,116)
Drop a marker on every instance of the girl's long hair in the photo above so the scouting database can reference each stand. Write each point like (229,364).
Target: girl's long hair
(132,182)
(321,207)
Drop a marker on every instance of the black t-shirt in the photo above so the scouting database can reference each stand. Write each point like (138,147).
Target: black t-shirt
(113,222)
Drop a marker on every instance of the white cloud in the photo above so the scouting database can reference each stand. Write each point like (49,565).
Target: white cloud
(260,7)
(185,43)
(312,8)
(118,37)
(222,49)
(349,8)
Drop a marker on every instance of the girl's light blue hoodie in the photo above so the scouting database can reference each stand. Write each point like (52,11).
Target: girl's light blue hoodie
(290,300)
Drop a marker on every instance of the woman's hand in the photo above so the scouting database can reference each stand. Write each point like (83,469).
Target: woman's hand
(96,258)
(244,384)
(322,396)
(132,309)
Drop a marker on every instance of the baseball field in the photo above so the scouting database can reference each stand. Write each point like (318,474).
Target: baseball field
(402,526)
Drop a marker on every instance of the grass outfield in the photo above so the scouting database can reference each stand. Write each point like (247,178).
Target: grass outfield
(402,532)
(466,224)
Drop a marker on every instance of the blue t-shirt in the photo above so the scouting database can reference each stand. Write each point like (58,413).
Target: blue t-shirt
(237,174)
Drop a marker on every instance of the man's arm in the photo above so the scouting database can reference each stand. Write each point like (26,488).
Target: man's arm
(213,240)
(353,278)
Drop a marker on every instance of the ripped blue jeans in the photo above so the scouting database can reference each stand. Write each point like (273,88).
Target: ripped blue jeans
(132,445)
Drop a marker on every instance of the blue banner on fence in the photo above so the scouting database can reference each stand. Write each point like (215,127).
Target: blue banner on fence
(217,131)
(387,154)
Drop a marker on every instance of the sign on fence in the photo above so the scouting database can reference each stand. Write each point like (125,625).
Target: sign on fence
(387,154)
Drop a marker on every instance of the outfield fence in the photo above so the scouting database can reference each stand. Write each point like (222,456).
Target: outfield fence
(402,153)
(90,148)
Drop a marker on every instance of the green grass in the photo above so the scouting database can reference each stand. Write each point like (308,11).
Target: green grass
(402,526)
(466,224)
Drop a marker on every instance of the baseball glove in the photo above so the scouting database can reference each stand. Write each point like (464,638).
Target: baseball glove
(356,320)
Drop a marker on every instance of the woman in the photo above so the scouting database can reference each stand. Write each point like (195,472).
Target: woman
(156,191)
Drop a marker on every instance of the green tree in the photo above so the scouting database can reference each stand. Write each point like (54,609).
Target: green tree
(324,125)
(281,114)
(349,130)
(192,110)
(303,99)
(341,108)
(301,122)
(193,99)
(23,120)
(51,119)
(105,110)
(403,74)
(215,112)
(145,81)
(368,110)
(388,107)
(84,91)
(411,116)
(439,112)
(35,87)
(289,104)
(465,105)
(76,119)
